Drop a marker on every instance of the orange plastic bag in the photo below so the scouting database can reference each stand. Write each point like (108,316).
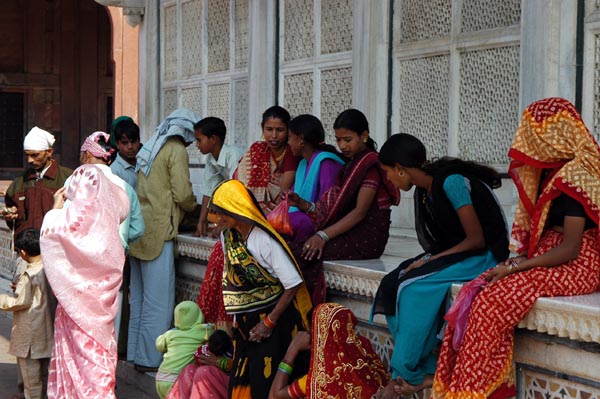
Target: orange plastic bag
(279,217)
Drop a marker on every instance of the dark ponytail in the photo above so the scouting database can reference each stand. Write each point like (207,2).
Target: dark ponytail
(312,131)
(408,151)
(354,120)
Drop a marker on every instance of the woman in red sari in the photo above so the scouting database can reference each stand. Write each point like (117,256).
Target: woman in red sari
(556,169)
(342,365)
(352,218)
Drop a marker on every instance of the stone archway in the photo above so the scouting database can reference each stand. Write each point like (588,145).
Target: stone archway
(65,66)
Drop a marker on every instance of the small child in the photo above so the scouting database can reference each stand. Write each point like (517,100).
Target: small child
(221,161)
(179,344)
(220,346)
(32,336)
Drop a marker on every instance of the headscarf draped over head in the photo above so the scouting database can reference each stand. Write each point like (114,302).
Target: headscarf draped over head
(343,363)
(38,140)
(83,258)
(187,314)
(233,198)
(551,135)
(179,123)
(113,139)
(91,145)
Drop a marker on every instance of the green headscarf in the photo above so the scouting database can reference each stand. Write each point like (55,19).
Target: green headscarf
(113,139)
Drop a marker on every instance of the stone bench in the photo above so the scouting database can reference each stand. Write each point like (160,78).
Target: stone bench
(557,346)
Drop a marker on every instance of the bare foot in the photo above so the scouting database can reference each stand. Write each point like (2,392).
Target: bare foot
(407,389)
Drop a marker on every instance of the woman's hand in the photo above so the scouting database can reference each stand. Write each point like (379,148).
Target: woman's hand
(503,269)
(390,391)
(10,213)
(313,248)
(59,198)
(207,359)
(295,200)
(259,332)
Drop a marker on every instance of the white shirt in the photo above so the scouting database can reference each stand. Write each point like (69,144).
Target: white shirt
(218,170)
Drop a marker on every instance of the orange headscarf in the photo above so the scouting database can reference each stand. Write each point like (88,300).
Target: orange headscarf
(551,135)
(343,364)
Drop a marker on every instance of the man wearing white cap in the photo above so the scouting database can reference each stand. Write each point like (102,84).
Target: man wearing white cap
(30,195)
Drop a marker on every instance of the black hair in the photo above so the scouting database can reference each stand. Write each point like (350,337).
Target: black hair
(212,126)
(408,151)
(354,120)
(312,131)
(28,240)
(127,128)
(219,343)
(276,112)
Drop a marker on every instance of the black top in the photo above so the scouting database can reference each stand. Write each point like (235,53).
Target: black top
(563,206)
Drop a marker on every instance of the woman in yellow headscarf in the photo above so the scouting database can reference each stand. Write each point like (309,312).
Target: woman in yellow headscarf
(556,169)
(262,287)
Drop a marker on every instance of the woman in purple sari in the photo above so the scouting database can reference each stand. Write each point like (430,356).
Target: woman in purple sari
(317,171)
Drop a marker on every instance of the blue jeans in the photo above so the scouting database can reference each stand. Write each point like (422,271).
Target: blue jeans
(152,300)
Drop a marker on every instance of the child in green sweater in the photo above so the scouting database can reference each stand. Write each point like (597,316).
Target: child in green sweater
(180,343)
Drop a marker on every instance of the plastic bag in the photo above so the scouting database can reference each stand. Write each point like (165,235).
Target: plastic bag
(279,217)
(458,314)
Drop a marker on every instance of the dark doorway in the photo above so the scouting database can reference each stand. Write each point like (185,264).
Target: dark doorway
(11,130)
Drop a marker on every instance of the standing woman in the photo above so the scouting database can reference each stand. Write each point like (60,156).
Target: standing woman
(461,227)
(83,259)
(317,172)
(556,168)
(262,287)
(352,218)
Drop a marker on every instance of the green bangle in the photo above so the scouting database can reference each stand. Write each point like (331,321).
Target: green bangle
(222,363)
(285,368)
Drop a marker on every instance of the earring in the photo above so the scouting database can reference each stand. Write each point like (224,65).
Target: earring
(401,174)
(365,140)
(302,143)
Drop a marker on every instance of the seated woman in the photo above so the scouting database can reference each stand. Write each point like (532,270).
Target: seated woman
(342,365)
(461,227)
(268,167)
(317,171)
(556,168)
(262,287)
(353,216)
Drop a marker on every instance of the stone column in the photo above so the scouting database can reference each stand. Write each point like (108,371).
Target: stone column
(261,63)
(548,42)
(370,64)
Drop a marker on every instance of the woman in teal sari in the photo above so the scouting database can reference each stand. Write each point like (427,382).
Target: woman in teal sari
(317,172)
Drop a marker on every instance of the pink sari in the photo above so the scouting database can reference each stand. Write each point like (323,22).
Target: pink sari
(83,260)
(200,382)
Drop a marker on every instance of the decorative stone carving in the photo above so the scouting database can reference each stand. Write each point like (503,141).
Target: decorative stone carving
(538,385)
(419,20)
(298,41)
(170,42)
(191,40)
(596,119)
(217,102)
(218,35)
(298,93)
(489,14)
(191,97)
(170,103)
(336,96)
(241,34)
(132,9)
(489,103)
(240,123)
(423,92)
(336,26)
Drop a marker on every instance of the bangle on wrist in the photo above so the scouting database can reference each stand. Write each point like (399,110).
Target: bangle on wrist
(223,364)
(311,207)
(269,323)
(322,235)
(426,257)
(513,266)
(285,368)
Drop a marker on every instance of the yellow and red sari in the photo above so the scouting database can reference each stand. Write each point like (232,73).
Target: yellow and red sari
(551,136)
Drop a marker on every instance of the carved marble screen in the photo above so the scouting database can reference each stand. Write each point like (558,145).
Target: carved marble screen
(204,58)
(456,77)
(315,58)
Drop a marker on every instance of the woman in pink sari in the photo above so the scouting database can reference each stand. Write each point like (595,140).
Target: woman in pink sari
(83,259)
